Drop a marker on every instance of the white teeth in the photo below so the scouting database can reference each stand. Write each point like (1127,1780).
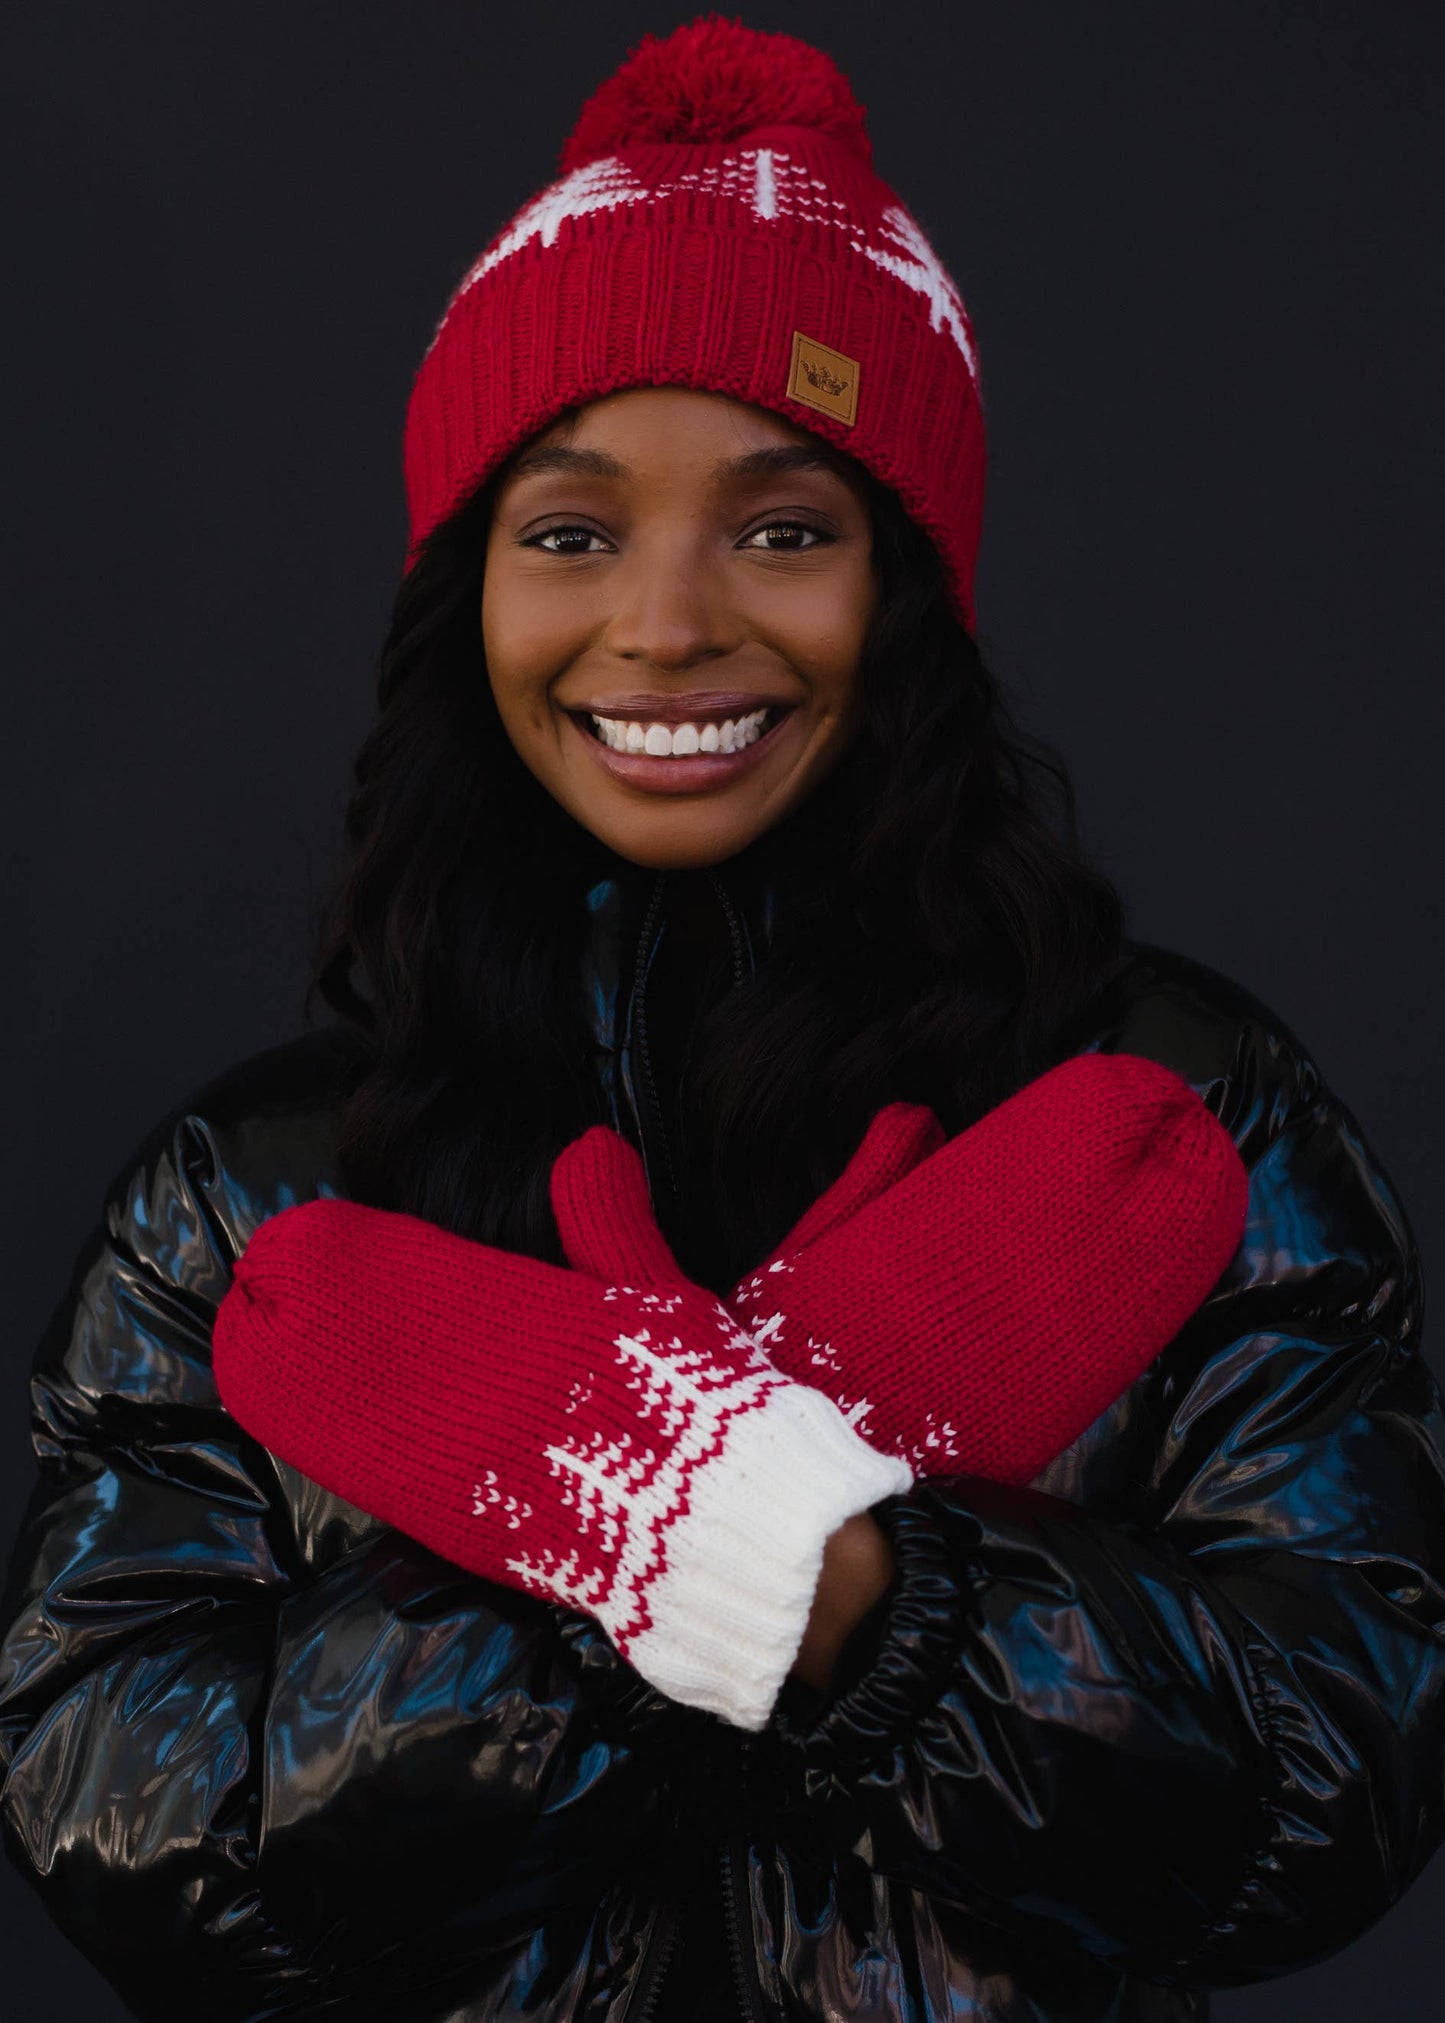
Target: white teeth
(680,740)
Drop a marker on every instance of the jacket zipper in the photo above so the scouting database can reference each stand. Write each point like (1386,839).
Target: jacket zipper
(735,932)
(741,1939)
(646,944)
(744,1965)
(654,1965)
(664,1938)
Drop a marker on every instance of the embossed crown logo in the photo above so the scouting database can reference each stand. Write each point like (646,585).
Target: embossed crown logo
(823,378)
(819,376)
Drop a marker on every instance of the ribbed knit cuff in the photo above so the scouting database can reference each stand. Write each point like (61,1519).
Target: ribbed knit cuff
(729,1610)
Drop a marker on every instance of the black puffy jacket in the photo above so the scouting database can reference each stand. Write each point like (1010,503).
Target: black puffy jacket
(1170,1718)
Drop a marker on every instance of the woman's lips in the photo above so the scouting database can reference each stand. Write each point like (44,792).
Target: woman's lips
(690,775)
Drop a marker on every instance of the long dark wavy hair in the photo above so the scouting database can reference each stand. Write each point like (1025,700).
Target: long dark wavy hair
(941,931)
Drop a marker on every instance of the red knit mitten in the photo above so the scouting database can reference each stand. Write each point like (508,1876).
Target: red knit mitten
(623,1448)
(973,1305)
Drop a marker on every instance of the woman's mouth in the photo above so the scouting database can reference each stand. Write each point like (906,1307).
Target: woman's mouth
(684,758)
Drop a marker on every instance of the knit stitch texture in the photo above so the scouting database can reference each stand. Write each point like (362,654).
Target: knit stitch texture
(973,1305)
(716,202)
(621,1448)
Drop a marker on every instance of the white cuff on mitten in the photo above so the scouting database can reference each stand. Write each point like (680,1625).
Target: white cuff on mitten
(729,1609)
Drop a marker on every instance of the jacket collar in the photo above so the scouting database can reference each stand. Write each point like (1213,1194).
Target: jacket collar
(627,919)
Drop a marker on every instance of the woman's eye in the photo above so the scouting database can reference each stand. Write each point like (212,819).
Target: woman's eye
(790,527)
(552,533)
(794,538)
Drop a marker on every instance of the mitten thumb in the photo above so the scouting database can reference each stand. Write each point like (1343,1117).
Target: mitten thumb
(899,1137)
(604,1212)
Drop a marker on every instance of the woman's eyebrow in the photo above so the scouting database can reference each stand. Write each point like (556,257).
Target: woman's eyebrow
(557,457)
(776,461)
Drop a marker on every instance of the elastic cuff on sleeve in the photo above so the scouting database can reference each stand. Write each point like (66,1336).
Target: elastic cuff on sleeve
(908,1648)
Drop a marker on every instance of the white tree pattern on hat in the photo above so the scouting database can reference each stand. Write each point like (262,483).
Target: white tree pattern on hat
(773,185)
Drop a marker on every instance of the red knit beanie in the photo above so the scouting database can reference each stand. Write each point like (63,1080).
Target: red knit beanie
(718,224)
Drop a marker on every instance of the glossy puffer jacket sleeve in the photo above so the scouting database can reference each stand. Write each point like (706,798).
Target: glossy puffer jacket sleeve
(1195,1729)
(241,1786)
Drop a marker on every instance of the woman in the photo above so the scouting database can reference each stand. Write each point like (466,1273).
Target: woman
(1046,1625)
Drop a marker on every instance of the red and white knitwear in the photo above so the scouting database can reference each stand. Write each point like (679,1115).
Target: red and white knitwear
(973,1304)
(718,224)
(623,1449)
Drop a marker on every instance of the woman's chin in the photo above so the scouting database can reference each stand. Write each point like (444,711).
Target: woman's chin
(677,842)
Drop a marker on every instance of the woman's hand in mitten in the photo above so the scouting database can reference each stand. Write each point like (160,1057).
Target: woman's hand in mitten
(974,1304)
(619,1445)
(977,1315)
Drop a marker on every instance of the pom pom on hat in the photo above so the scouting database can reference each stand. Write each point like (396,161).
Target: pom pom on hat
(716,80)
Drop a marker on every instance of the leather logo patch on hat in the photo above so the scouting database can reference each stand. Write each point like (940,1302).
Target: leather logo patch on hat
(823,378)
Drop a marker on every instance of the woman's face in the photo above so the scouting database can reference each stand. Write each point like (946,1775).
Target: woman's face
(678,563)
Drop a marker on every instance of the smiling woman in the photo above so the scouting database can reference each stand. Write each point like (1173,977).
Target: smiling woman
(770,1370)
(682,668)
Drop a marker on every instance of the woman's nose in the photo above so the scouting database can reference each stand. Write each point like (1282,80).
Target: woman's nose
(669,613)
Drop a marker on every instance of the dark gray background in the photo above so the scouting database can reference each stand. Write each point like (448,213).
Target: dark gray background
(1201,244)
